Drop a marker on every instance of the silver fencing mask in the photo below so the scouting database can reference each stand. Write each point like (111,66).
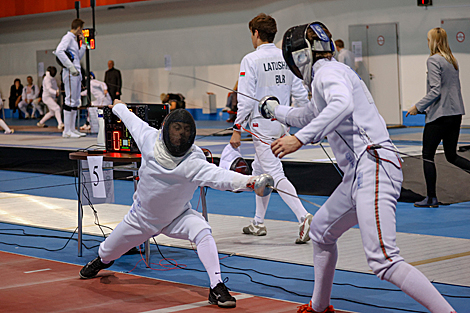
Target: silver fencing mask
(300,46)
(179,131)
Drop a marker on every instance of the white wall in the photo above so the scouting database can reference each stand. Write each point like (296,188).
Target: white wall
(208,38)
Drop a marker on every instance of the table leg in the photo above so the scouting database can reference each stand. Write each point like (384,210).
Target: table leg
(80,212)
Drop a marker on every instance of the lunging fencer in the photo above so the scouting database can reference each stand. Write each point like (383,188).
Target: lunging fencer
(69,54)
(263,72)
(343,109)
(49,95)
(172,169)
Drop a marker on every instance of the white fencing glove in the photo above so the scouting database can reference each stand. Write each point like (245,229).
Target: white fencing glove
(74,71)
(261,184)
(267,106)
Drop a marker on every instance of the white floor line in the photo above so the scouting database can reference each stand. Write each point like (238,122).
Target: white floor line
(42,270)
(194,305)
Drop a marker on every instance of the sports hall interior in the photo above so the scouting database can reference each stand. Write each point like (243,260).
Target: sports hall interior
(151,42)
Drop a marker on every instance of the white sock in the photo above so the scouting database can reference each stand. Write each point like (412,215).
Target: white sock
(73,120)
(67,121)
(294,203)
(207,252)
(324,263)
(417,286)
(58,117)
(4,126)
(261,207)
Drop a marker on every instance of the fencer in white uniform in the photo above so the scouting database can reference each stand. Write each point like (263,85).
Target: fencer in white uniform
(50,91)
(99,90)
(30,93)
(71,76)
(264,72)
(372,179)
(172,169)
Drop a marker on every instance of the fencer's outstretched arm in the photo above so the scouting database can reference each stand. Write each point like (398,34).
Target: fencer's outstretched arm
(337,93)
(210,175)
(137,127)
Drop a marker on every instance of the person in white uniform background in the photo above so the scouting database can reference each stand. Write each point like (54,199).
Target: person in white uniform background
(99,90)
(172,169)
(371,185)
(264,72)
(344,55)
(50,92)
(30,93)
(69,54)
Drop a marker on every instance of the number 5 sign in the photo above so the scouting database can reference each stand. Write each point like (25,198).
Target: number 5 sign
(95,166)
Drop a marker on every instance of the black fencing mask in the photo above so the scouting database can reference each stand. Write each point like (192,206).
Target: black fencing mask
(179,131)
(52,70)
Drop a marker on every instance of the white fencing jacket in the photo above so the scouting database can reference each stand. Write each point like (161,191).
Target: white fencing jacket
(69,43)
(264,72)
(49,87)
(163,194)
(97,90)
(347,114)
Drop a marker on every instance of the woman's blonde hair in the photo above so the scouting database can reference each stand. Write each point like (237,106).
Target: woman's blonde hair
(438,44)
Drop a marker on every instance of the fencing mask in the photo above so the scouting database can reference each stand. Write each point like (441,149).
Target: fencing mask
(300,46)
(51,69)
(179,131)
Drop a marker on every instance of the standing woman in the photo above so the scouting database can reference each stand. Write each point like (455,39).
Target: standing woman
(444,108)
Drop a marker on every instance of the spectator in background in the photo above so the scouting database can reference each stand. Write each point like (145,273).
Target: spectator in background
(444,108)
(231,105)
(344,55)
(30,92)
(113,80)
(15,95)
(175,100)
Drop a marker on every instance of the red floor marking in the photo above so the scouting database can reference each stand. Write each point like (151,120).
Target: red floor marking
(60,289)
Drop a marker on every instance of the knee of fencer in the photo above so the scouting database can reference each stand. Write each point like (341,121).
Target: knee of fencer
(381,266)
(319,235)
(201,235)
(278,178)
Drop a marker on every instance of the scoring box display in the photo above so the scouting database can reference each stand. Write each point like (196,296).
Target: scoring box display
(118,137)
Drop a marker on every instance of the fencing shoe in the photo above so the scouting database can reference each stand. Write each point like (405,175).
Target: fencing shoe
(93,267)
(220,296)
(74,131)
(307,308)
(304,229)
(427,203)
(70,135)
(255,230)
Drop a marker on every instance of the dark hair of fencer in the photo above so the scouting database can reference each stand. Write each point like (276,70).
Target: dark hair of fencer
(17,80)
(179,138)
(76,23)
(265,25)
(51,69)
(339,43)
